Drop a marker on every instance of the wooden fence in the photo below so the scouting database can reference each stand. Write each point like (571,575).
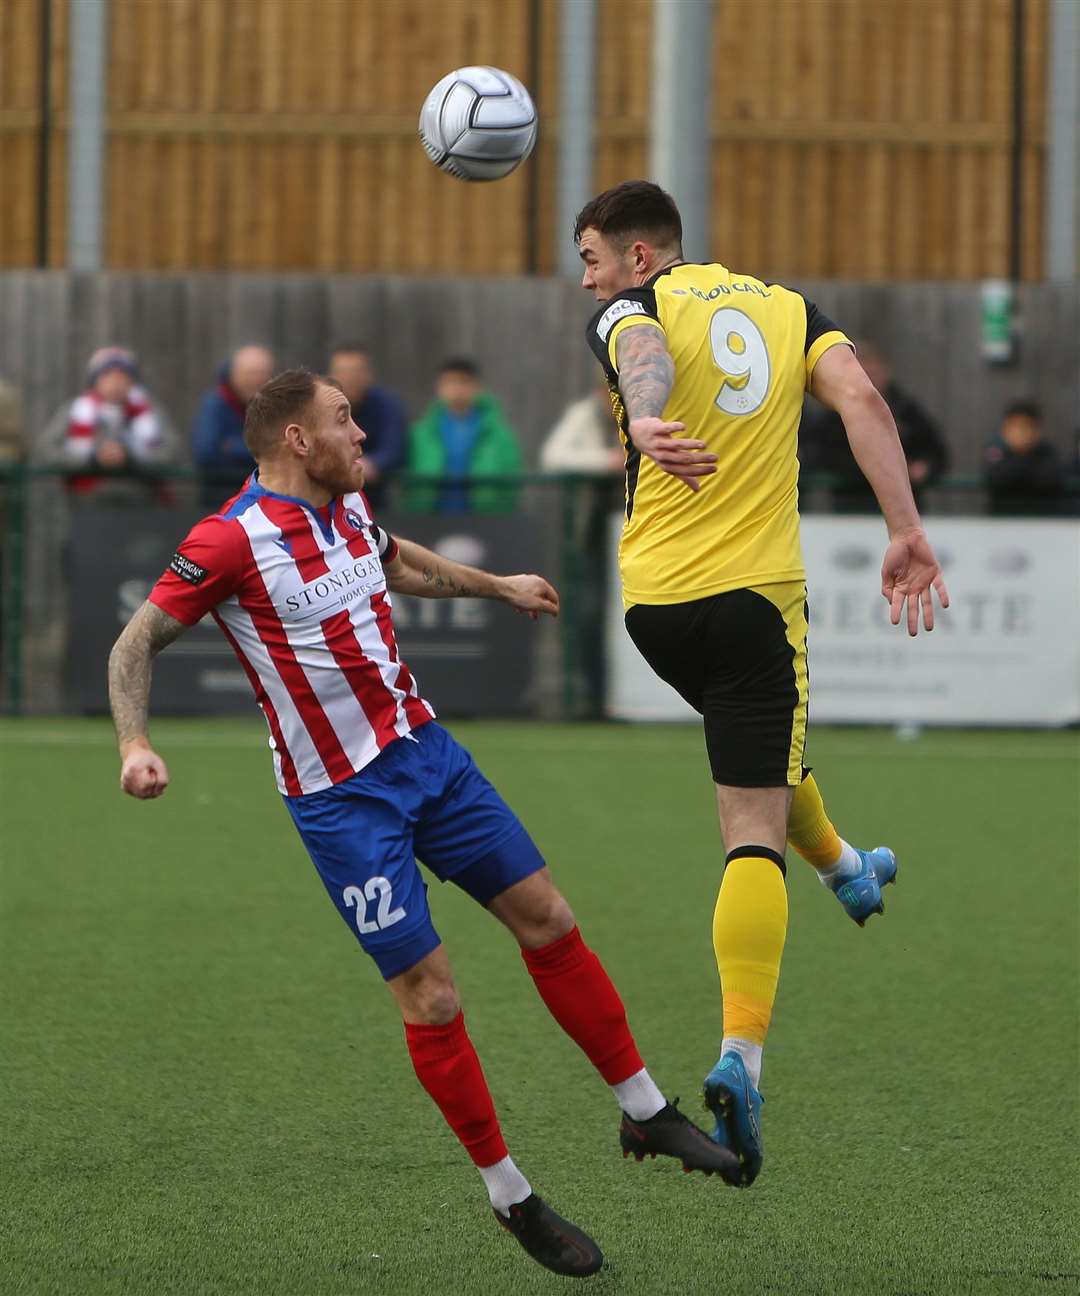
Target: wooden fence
(851,138)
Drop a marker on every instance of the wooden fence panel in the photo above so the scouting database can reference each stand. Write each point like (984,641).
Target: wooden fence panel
(851,138)
(914,102)
(20,37)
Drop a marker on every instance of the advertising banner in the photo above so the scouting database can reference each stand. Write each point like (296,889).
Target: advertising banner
(469,656)
(1006,652)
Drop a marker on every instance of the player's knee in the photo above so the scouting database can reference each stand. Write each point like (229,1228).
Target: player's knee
(434,1002)
(426,993)
(549,918)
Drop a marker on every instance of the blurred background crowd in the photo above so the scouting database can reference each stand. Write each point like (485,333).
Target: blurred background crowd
(460,431)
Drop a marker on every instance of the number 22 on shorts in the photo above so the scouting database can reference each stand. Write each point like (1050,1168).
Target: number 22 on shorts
(374,888)
(740,353)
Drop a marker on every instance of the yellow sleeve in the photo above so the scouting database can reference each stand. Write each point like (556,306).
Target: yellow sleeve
(818,348)
(635,306)
(628,321)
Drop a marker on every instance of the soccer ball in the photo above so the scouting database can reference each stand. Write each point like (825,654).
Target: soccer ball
(478,123)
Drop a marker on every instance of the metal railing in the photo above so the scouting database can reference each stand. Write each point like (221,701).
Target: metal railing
(566,509)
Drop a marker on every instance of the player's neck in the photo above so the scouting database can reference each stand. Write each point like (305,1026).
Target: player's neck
(290,479)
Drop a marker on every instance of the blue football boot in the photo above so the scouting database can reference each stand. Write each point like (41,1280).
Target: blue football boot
(861,894)
(736,1104)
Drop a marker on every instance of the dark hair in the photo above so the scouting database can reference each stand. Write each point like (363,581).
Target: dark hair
(460,365)
(349,348)
(285,399)
(1024,408)
(633,208)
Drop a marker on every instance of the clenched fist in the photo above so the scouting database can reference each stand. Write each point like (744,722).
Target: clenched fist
(143,774)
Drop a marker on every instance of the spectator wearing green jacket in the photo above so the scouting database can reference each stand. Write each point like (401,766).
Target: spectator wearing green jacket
(463,435)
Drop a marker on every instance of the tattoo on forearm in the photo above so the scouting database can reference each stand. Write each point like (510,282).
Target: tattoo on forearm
(646,371)
(148,631)
(454,588)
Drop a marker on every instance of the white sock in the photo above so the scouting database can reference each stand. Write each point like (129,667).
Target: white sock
(638,1096)
(750,1054)
(845,867)
(505,1184)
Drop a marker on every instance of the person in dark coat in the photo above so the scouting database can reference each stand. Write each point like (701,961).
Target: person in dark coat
(1024,475)
(378,411)
(825,447)
(217,443)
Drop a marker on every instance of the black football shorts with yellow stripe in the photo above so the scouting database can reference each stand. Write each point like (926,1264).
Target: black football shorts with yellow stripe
(713,580)
(739,658)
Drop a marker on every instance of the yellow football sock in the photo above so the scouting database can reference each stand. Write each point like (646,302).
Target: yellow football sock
(749,928)
(809,829)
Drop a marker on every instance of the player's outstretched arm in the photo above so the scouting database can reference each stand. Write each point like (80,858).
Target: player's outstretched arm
(646,376)
(416,570)
(840,382)
(910,570)
(143,773)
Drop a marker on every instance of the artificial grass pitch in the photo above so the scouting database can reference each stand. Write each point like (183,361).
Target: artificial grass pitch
(204,1086)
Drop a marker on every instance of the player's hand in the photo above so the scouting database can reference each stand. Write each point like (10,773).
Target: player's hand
(909,574)
(683,458)
(531,595)
(143,774)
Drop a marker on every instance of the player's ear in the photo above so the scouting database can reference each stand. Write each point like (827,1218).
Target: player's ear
(296,438)
(641,252)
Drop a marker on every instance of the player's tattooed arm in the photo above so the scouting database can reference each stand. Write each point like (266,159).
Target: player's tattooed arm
(148,631)
(646,377)
(143,774)
(646,370)
(416,570)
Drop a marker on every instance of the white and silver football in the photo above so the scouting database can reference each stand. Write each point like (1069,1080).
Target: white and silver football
(478,123)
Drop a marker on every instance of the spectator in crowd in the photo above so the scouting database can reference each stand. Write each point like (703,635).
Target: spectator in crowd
(584,440)
(463,436)
(218,436)
(111,425)
(378,411)
(824,445)
(1024,474)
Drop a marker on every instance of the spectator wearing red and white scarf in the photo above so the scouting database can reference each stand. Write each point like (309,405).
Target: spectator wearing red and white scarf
(112,424)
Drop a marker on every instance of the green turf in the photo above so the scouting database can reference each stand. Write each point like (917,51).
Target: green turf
(203,1086)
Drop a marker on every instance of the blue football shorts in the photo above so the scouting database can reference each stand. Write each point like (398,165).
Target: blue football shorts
(422,798)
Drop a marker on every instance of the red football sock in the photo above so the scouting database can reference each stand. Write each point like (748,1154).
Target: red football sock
(446,1065)
(580,996)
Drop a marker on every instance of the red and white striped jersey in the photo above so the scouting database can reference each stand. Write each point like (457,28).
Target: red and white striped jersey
(301,596)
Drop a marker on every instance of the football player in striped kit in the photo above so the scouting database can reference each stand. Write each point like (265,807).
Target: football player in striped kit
(298,575)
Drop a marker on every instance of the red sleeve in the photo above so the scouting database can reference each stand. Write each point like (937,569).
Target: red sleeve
(206,569)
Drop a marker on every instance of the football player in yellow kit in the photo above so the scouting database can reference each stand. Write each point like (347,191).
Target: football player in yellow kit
(707,370)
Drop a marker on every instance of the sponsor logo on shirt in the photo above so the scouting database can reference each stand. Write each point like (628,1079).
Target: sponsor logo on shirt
(187,570)
(615,312)
(336,590)
(722,290)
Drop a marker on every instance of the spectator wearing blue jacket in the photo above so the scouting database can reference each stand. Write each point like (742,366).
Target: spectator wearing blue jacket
(378,411)
(218,436)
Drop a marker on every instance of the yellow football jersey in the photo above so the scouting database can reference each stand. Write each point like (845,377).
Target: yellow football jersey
(744,354)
